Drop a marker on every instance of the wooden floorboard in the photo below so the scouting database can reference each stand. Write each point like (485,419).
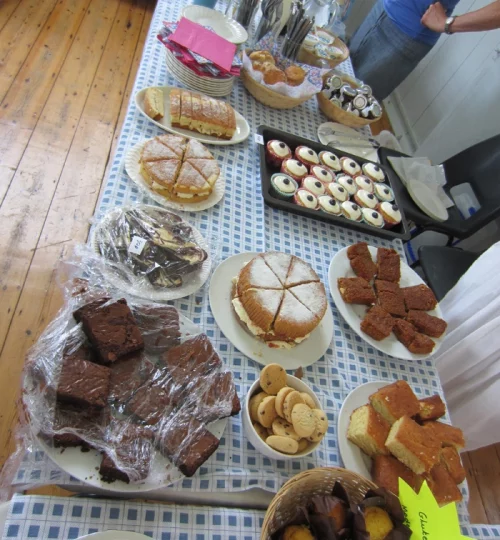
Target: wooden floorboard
(7,8)
(486,471)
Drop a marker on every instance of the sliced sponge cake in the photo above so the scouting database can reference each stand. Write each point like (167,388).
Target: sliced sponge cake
(368,430)
(387,470)
(395,400)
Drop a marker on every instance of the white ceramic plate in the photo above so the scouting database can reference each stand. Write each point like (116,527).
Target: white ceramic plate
(427,200)
(142,288)
(114,535)
(134,171)
(354,313)
(242,127)
(223,26)
(191,76)
(353,458)
(366,153)
(305,354)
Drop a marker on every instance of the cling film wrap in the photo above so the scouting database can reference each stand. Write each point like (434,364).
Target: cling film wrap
(132,381)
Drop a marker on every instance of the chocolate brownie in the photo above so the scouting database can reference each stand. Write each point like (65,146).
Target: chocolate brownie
(388,265)
(129,457)
(356,291)
(427,324)
(187,443)
(421,344)
(377,323)
(387,286)
(364,267)
(159,327)
(112,330)
(404,331)
(358,250)
(127,376)
(218,398)
(89,308)
(393,303)
(419,297)
(83,383)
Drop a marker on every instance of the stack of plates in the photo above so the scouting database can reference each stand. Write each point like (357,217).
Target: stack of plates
(205,85)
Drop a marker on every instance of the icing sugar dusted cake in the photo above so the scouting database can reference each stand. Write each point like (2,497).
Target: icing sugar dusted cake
(279,299)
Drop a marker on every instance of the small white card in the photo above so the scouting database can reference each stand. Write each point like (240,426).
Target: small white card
(137,245)
(259,139)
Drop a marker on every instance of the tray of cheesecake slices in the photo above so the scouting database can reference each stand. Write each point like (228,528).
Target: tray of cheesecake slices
(317,181)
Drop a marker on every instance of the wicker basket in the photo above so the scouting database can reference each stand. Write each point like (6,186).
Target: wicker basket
(267,96)
(307,57)
(299,490)
(337,114)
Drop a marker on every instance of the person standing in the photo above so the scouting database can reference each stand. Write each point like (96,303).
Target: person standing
(397,34)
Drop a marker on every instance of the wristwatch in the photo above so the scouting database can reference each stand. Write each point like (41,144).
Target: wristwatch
(447,25)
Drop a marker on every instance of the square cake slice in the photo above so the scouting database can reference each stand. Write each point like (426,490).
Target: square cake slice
(217,398)
(431,408)
(421,344)
(392,302)
(127,376)
(395,400)
(356,291)
(404,331)
(377,323)
(368,430)
(358,250)
(364,267)
(446,434)
(387,470)
(388,265)
(450,459)
(159,326)
(419,297)
(426,324)
(443,486)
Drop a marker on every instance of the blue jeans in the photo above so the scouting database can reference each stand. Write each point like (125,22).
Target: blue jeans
(382,55)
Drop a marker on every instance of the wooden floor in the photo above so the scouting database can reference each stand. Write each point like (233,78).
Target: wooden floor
(66,72)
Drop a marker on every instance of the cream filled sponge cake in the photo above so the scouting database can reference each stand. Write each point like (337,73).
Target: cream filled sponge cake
(279,299)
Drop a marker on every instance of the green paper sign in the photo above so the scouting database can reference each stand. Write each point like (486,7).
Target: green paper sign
(425,518)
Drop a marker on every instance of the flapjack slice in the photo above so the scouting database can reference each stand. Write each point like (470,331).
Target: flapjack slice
(313,296)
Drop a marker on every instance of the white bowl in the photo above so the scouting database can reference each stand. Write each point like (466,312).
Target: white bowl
(252,435)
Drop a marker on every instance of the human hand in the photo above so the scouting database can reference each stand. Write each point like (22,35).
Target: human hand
(435,17)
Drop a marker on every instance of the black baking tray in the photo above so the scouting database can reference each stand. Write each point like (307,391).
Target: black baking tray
(400,231)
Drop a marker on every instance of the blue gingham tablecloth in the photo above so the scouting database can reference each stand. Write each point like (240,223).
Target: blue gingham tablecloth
(242,222)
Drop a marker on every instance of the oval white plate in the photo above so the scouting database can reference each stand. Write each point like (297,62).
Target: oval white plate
(133,169)
(365,153)
(353,458)
(354,313)
(114,535)
(143,289)
(304,354)
(223,26)
(242,127)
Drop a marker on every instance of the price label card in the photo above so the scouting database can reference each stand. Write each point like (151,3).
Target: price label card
(137,245)
(259,139)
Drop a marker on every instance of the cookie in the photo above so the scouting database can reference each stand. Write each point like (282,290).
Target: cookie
(272,379)
(280,399)
(284,429)
(292,399)
(261,431)
(285,445)
(266,412)
(303,420)
(254,403)
(303,444)
(308,400)
(321,425)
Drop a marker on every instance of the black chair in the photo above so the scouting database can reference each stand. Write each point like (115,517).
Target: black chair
(443,266)
(480,166)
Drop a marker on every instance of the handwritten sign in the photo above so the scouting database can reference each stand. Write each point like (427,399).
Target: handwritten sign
(137,245)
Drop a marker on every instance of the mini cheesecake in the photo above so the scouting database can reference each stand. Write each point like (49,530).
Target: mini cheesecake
(364,183)
(330,160)
(348,183)
(374,172)
(391,214)
(365,199)
(329,205)
(294,168)
(351,211)
(283,186)
(312,184)
(383,192)
(306,155)
(337,192)
(322,173)
(306,199)
(276,152)
(372,217)
(349,166)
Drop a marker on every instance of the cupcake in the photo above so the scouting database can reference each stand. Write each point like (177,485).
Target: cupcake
(351,211)
(364,183)
(306,198)
(306,155)
(330,160)
(312,184)
(322,173)
(276,152)
(374,172)
(383,192)
(365,199)
(348,183)
(337,192)
(391,214)
(294,168)
(372,217)
(329,205)
(283,186)
(349,166)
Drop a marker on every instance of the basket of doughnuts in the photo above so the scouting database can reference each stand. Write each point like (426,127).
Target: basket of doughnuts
(322,48)
(348,101)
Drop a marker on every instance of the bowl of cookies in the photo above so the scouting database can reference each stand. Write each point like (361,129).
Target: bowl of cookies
(282,417)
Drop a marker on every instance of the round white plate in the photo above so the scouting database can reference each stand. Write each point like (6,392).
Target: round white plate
(191,76)
(353,458)
(427,200)
(142,288)
(368,153)
(304,354)
(354,313)
(223,26)
(241,133)
(133,169)
(114,535)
